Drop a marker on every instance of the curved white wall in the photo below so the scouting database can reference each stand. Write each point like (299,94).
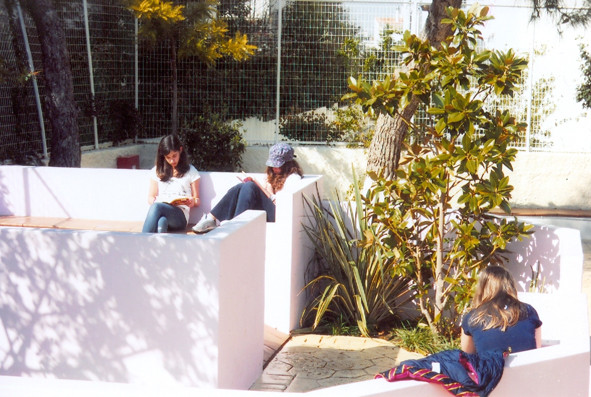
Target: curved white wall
(541,180)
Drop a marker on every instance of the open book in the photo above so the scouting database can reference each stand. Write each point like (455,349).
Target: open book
(176,200)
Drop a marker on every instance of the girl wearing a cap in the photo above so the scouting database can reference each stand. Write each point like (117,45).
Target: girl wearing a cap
(282,170)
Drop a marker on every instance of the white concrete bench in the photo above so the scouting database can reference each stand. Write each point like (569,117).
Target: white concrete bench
(134,307)
(116,199)
(75,212)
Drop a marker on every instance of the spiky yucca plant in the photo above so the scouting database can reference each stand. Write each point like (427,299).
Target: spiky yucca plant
(351,282)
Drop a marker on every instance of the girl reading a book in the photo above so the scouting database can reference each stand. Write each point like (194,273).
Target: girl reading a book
(174,188)
(282,171)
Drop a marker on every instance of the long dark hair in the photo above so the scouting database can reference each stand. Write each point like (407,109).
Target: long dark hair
(169,144)
(495,302)
(278,180)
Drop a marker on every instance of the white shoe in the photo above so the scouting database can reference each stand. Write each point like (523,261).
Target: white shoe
(206,224)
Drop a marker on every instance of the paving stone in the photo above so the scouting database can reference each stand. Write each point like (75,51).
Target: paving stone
(302,385)
(351,363)
(275,379)
(268,387)
(376,369)
(304,360)
(316,373)
(352,374)
(277,367)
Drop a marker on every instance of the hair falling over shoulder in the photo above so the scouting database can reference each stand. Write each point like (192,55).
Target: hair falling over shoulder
(170,143)
(278,180)
(495,303)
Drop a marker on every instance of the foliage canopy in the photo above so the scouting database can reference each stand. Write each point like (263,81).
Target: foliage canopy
(436,228)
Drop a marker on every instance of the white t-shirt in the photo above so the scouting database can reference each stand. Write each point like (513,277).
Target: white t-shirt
(291,181)
(176,187)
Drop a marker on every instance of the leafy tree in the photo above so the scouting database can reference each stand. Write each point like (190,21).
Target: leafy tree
(62,111)
(563,13)
(188,31)
(392,123)
(434,213)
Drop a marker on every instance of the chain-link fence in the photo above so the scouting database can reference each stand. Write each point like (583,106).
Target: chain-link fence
(123,86)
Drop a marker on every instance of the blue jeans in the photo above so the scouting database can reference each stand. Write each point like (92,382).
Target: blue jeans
(163,216)
(242,197)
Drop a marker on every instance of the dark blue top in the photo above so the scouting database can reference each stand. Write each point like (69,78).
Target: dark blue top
(518,337)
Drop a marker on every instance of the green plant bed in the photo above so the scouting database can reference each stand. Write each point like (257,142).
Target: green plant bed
(352,283)
(420,339)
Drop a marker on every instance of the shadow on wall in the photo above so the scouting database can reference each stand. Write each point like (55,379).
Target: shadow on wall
(103,317)
(538,252)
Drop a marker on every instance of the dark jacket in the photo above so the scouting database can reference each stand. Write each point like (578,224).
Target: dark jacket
(460,373)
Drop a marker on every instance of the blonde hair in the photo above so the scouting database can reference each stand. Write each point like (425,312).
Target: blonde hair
(495,303)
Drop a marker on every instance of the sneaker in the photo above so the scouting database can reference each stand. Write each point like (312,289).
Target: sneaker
(206,224)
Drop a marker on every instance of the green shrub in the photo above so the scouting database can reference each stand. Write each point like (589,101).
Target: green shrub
(126,121)
(308,126)
(355,128)
(352,284)
(213,144)
(421,339)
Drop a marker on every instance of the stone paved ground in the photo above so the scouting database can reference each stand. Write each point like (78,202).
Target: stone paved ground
(309,362)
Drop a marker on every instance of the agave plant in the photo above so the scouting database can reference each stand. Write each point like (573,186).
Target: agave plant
(351,281)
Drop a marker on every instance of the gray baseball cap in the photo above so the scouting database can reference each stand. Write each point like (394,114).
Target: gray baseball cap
(279,154)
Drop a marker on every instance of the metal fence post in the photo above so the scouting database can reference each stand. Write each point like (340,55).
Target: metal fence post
(529,90)
(136,64)
(34,81)
(90,74)
(278,87)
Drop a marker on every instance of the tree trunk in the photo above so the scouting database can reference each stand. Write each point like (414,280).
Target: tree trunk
(62,111)
(439,275)
(386,146)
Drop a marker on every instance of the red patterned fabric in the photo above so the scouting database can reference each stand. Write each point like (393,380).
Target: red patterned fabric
(460,373)
(404,372)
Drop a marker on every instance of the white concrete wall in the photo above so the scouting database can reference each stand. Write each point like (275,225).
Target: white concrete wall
(156,309)
(558,370)
(551,180)
(541,180)
(556,252)
(103,193)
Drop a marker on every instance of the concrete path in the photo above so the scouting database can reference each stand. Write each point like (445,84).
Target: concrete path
(309,362)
